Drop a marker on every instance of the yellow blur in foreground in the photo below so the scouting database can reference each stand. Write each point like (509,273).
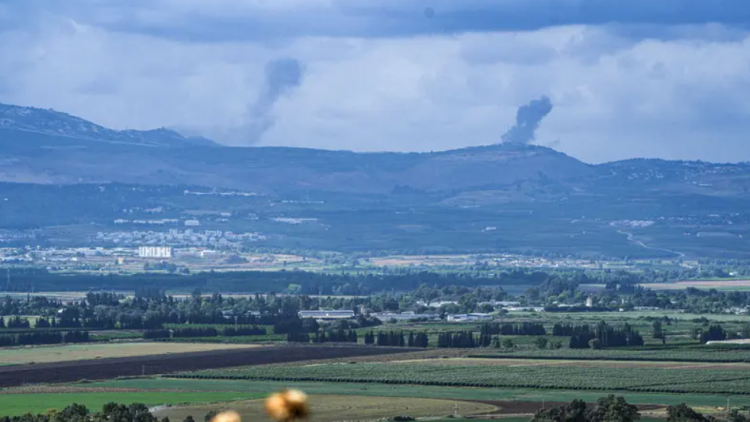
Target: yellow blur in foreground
(285,406)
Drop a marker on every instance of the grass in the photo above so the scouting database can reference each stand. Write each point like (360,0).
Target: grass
(421,391)
(522,374)
(44,354)
(18,404)
(679,354)
(338,407)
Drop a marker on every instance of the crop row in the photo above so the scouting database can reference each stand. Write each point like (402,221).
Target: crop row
(537,376)
(703,354)
(268,338)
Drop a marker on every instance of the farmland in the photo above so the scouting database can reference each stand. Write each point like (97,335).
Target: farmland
(681,354)
(226,393)
(25,355)
(674,379)
(335,407)
(56,372)
(18,404)
(729,285)
(406,390)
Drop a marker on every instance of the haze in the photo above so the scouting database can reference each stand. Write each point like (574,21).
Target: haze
(639,80)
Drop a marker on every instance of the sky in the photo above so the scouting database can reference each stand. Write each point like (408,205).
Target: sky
(615,79)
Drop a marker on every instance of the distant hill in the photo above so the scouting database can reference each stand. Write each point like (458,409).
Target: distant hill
(55,123)
(71,179)
(49,147)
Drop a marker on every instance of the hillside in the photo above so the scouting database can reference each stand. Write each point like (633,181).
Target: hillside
(54,123)
(73,179)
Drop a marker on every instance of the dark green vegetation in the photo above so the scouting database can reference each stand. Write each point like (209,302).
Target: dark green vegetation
(422,391)
(610,409)
(112,412)
(672,354)
(43,337)
(504,197)
(565,377)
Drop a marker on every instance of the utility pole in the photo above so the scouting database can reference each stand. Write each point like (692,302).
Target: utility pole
(455,409)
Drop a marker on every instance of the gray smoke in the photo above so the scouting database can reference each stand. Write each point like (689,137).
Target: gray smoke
(528,118)
(281,77)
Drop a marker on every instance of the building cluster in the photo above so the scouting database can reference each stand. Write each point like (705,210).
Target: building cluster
(174,237)
(334,315)
(403,316)
(472,317)
(214,193)
(159,222)
(154,252)
(295,221)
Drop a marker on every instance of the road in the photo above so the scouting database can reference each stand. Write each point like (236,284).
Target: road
(639,243)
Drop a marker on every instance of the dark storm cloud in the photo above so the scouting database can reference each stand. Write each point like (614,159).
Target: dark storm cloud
(281,77)
(247,20)
(528,118)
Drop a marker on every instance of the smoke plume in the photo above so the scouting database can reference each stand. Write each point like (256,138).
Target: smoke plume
(281,77)
(528,118)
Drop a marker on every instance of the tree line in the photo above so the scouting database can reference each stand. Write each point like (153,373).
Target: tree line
(338,336)
(507,329)
(466,339)
(603,335)
(613,408)
(189,332)
(396,338)
(44,337)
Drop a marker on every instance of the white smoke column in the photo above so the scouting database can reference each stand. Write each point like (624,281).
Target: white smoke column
(528,118)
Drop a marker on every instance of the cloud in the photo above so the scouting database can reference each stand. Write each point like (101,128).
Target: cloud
(373,81)
(258,20)
(528,118)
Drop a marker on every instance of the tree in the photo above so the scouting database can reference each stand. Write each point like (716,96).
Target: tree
(613,409)
(684,413)
(575,411)
(736,416)
(657,330)
(508,343)
(211,415)
(595,344)
(188,418)
(541,342)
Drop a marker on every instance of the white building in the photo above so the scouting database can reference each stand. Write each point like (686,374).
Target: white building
(403,316)
(154,251)
(469,317)
(327,315)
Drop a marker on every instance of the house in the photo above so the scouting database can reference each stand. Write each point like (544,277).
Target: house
(327,315)
(468,317)
(403,316)
(526,309)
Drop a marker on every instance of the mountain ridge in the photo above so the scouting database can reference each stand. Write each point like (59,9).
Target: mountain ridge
(57,123)
(50,147)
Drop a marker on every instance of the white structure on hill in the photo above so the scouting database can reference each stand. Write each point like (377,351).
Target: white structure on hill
(155,252)
(326,315)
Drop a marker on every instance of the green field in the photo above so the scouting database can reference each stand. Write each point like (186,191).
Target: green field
(529,374)
(682,354)
(327,407)
(420,391)
(18,404)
